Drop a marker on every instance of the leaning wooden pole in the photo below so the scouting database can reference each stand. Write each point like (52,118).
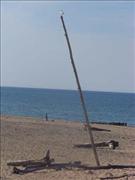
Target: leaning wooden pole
(80,93)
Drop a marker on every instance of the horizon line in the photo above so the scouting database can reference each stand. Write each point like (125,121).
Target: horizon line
(104,91)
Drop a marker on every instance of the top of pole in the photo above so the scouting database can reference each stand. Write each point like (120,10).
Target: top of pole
(61,13)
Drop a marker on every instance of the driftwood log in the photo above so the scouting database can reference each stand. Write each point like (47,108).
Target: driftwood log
(85,127)
(46,163)
(118,177)
(111,144)
(60,166)
(42,162)
(86,167)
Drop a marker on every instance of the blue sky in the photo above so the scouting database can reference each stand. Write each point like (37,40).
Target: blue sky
(35,54)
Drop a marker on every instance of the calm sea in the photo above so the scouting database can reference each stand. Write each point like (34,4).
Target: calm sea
(65,104)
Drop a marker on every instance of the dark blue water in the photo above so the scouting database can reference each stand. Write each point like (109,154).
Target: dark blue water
(65,104)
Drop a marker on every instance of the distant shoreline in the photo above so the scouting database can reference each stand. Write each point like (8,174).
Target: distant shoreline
(74,121)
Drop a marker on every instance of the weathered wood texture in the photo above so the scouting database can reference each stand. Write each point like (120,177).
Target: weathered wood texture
(60,166)
(118,177)
(111,144)
(42,162)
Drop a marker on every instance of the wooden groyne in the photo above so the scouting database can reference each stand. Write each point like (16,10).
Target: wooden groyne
(110,123)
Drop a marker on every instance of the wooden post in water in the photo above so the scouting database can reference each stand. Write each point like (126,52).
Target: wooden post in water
(80,93)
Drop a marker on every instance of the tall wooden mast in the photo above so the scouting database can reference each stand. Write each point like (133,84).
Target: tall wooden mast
(80,93)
